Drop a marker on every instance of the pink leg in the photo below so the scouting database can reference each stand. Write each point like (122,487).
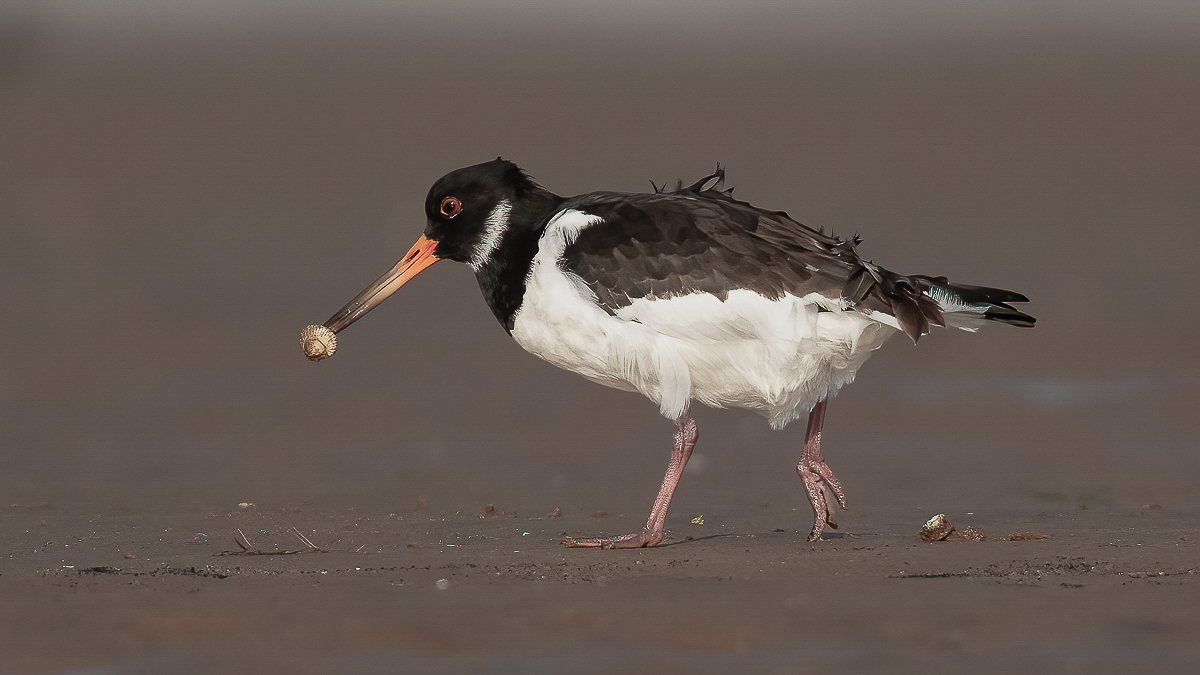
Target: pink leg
(817,476)
(652,533)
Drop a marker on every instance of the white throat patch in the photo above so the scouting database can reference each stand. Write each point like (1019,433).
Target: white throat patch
(494,226)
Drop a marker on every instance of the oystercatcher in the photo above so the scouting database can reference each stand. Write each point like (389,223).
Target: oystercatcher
(684,295)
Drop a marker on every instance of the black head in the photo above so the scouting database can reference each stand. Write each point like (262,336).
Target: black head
(469,209)
(470,213)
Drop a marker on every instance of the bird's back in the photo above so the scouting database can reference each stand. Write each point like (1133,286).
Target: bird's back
(699,239)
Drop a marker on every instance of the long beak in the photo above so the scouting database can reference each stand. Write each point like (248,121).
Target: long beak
(418,258)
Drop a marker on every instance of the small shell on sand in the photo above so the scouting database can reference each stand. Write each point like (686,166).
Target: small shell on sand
(318,342)
(937,528)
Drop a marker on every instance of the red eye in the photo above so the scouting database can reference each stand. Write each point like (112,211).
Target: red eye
(451,207)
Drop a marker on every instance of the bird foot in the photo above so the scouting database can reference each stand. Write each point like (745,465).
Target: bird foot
(817,476)
(643,539)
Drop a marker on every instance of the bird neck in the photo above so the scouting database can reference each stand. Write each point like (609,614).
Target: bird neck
(503,274)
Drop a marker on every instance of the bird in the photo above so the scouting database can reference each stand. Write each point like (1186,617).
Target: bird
(684,295)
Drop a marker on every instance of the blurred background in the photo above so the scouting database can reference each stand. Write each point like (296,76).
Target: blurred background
(184,186)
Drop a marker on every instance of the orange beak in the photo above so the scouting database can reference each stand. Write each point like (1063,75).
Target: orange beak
(418,258)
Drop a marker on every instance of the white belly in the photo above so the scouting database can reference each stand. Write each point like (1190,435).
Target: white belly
(777,357)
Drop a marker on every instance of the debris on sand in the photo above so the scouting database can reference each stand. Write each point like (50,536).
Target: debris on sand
(939,528)
(1026,536)
(490,511)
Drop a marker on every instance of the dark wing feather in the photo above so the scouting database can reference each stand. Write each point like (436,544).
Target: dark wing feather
(701,239)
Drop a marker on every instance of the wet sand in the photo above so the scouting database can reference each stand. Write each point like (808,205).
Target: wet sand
(180,195)
(1096,590)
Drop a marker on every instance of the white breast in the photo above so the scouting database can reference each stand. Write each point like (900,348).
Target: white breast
(777,357)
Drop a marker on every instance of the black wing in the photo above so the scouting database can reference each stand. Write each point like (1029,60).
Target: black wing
(701,239)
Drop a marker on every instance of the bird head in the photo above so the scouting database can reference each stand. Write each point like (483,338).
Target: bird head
(468,211)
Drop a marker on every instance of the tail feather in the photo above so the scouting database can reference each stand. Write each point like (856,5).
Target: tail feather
(968,307)
(917,302)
